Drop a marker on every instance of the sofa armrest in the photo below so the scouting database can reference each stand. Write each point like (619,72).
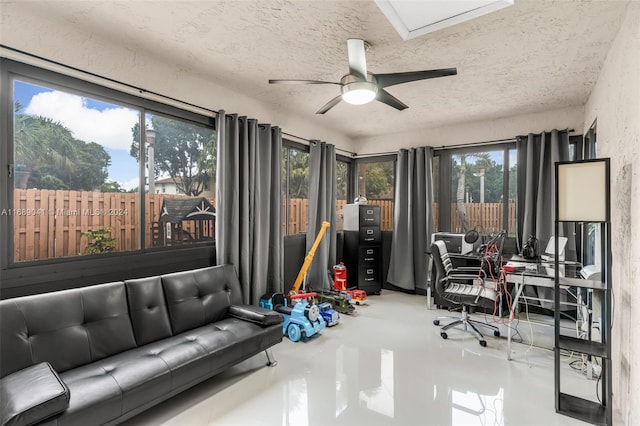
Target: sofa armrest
(255,314)
(31,395)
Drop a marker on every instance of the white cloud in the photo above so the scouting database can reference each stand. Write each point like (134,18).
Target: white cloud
(110,127)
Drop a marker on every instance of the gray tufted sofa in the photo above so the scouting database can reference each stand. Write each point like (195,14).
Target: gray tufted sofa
(102,354)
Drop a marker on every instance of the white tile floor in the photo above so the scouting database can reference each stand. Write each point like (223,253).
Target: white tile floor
(387,365)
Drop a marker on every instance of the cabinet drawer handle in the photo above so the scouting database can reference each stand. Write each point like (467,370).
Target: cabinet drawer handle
(369,259)
(368,279)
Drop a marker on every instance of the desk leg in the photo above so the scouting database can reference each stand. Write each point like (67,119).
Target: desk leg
(512,313)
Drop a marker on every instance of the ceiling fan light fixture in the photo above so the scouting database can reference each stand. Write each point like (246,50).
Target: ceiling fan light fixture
(359,92)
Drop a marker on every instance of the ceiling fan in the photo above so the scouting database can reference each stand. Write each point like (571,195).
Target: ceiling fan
(359,86)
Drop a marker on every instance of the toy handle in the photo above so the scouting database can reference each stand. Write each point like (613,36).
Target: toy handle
(303,295)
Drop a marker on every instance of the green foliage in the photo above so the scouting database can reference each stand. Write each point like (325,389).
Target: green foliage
(297,164)
(47,182)
(111,186)
(184,151)
(473,164)
(99,242)
(376,180)
(88,172)
(50,158)
(342,180)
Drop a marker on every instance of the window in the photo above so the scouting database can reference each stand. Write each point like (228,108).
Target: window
(477,189)
(376,176)
(343,171)
(295,187)
(183,155)
(77,187)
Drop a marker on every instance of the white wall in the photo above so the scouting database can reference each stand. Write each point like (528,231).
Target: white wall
(615,103)
(475,131)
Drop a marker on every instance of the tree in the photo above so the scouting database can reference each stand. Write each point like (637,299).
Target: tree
(47,156)
(40,142)
(378,180)
(460,192)
(342,180)
(184,151)
(88,173)
(297,163)
(112,186)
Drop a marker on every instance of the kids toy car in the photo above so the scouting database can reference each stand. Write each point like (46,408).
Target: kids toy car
(300,320)
(357,297)
(330,315)
(338,301)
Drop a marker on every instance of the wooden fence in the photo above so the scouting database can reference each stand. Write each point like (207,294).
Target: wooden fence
(49,223)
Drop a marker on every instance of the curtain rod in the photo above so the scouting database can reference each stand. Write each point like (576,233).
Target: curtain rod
(140,90)
(538,134)
(462,145)
(440,148)
(308,142)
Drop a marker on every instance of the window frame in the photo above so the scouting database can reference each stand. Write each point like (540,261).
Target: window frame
(9,72)
(288,144)
(444,185)
(375,159)
(349,161)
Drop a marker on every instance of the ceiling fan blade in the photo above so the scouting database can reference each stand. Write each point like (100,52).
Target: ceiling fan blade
(301,82)
(333,102)
(386,80)
(357,60)
(386,98)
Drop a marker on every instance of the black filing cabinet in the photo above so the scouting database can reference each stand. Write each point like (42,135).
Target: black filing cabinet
(363,247)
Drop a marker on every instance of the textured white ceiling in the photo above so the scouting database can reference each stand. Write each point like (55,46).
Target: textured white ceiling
(536,55)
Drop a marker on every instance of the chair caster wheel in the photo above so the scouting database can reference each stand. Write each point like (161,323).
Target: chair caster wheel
(483,343)
(496,333)
(444,335)
(436,322)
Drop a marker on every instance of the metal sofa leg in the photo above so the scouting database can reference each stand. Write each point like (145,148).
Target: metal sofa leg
(271,361)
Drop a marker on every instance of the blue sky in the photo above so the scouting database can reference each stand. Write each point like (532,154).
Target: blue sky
(89,120)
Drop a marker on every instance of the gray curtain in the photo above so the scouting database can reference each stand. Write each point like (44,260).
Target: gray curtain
(535,203)
(322,207)
(412,219)
(249,206)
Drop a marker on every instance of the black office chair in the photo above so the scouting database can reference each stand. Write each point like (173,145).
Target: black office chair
(460,286)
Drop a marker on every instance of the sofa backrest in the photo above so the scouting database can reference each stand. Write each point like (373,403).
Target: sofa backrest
(148,310)
(66,328)
(201,296)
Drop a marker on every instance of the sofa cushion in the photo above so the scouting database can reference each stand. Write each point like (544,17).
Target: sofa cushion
(141,376)
(201,296)
(96,397)
(148,310)
(66,328)
(186,358)
(31,395)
